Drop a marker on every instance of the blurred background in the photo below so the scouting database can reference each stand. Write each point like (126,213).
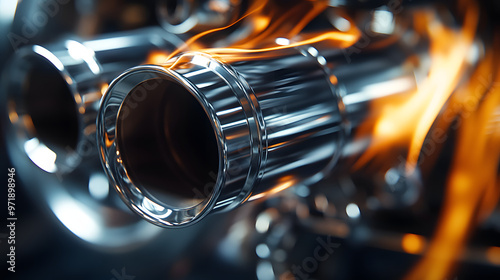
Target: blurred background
(369,219)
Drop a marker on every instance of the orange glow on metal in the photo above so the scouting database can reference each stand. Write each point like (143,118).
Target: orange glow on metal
(493,255)
(13,116)
(412,243)
(28,124)
(285,183)
(157,57)
(78,98)
(89,130)
(334,80)
(108,142)
(104,88)
(68,80)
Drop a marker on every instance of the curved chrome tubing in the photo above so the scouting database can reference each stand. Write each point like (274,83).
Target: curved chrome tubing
(52,95)
(186,16)
(208,132)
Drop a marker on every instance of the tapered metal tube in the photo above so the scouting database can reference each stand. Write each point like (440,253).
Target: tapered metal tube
(207,133)
(51,94)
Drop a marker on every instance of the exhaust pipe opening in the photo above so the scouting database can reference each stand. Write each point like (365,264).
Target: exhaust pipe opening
(167,144)
(48,101)
(43,110)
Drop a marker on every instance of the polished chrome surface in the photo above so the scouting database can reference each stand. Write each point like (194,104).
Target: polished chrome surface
(51,95)
(372,214)
(188,16)
(279,117)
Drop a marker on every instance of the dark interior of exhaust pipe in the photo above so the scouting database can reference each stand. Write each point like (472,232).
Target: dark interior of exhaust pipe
(50,104)
(167,143)
(171,6)
(175,11)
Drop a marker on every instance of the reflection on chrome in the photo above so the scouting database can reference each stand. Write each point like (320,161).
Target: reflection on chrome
(352,211)
(98,186)
(371,142)
(183,16)
(40,155)
(52,96)
(250,125)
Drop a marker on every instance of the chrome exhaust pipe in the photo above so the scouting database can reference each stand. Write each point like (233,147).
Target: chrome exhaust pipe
(208,132)
(51,94)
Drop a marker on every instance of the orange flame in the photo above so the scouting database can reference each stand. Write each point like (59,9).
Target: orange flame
(271,26)
(410,120)
(472,188)
(190,43)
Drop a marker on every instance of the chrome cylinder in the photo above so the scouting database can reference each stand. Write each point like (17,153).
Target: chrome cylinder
(51,94)
(208,132)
